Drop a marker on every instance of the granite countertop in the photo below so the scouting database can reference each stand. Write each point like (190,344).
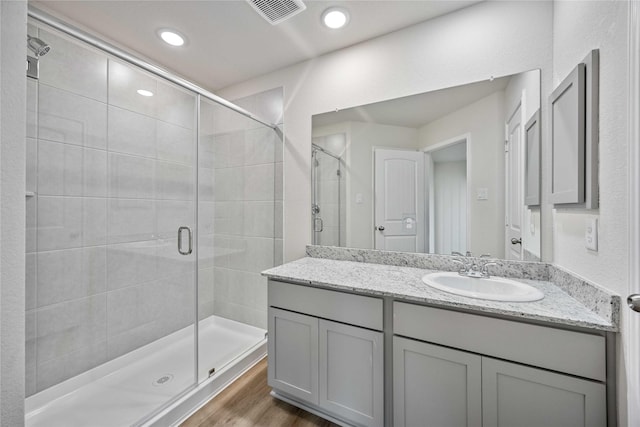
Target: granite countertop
(406,283)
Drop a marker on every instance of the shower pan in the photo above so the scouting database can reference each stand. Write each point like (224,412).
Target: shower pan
(151,209)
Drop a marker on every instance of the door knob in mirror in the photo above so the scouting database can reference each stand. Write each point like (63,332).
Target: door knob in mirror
(515,241)
(381,228)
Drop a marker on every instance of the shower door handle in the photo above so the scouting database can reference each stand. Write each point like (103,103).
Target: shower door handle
(190,248)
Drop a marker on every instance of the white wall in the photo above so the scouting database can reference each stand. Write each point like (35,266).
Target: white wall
(484,122)
(13,34)
(487,39)
(578,28)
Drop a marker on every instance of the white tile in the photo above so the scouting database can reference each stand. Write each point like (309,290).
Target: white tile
(131,133)
(229,218)
(130,220)
(59,223)
(172,215)
(32,165)
(31,224)
(32,108)
(278,256)
(206,284)
(60,277)
(69,170)
(94,166)
(124,82)
(30,353)
(73,67)
(176,106)
(94,221)
(134,338)
(236,249)
(260,146)
(278,222)
(206,251)
(279,182)
(259,182)
(174,181)
(175,143)
(71,364)
(131,263)
(70,274)
(124,309)
(59,169)
(31,275)
(131,176)
(259,255)
(170,262)
(70,326)
(206,184)
(207,155)
(206,214)
(229,183)
(259,219)
(70,118)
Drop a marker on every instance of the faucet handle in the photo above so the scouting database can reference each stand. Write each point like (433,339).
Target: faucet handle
(456,253)
(485,256)
(485,271)
(469,254)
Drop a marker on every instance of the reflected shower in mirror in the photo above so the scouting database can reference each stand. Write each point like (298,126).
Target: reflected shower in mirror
(437,172)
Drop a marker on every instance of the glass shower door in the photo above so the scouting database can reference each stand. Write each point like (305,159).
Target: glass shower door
(112,178)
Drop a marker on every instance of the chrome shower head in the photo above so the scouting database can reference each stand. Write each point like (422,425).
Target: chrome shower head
(37,46)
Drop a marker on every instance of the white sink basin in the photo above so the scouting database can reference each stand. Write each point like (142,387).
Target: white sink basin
(492,288)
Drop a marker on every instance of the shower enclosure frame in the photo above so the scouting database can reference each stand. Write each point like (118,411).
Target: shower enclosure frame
(314,194)
(184,403)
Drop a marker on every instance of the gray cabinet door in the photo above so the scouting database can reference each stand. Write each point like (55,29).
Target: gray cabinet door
(435,386)
(351,373)
(293,354)
(516,395)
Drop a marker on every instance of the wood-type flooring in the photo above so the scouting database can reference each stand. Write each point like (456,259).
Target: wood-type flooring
(247,402)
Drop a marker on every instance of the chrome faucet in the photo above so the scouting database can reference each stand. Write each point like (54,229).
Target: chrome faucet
(473,267)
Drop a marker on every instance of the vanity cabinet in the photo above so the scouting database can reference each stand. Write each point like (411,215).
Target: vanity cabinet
(435,386)
(335,366)
(454,387)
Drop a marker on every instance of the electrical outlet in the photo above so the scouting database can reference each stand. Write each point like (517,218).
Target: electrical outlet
(591,234)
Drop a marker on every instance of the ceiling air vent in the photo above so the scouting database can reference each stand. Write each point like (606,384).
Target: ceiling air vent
(276,11)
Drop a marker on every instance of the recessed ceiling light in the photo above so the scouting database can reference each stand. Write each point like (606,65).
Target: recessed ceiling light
(144,92)
(335,17)
(171,37)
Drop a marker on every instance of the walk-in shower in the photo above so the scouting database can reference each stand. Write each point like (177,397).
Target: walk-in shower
(328,190)
(149,219)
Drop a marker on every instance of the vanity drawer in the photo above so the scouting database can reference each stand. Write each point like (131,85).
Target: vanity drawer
(346,308)
(560,350)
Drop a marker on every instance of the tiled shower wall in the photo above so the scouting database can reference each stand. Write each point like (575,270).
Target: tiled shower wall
(243,159)
(109,180)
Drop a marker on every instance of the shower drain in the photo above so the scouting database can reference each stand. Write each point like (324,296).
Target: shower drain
(166,378)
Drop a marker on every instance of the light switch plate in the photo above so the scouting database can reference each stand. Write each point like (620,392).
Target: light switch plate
(591,234)
(483,194)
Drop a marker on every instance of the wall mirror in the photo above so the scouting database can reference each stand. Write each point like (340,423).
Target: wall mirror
(436,172)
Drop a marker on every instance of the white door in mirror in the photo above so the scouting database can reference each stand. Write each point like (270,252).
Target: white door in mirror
(488,288)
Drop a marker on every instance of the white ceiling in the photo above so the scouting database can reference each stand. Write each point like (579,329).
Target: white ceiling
(228,42)
(417,110)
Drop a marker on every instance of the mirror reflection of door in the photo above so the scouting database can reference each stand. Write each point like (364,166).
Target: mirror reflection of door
(399,200)
(514,183)
(328,190)
(447,189)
